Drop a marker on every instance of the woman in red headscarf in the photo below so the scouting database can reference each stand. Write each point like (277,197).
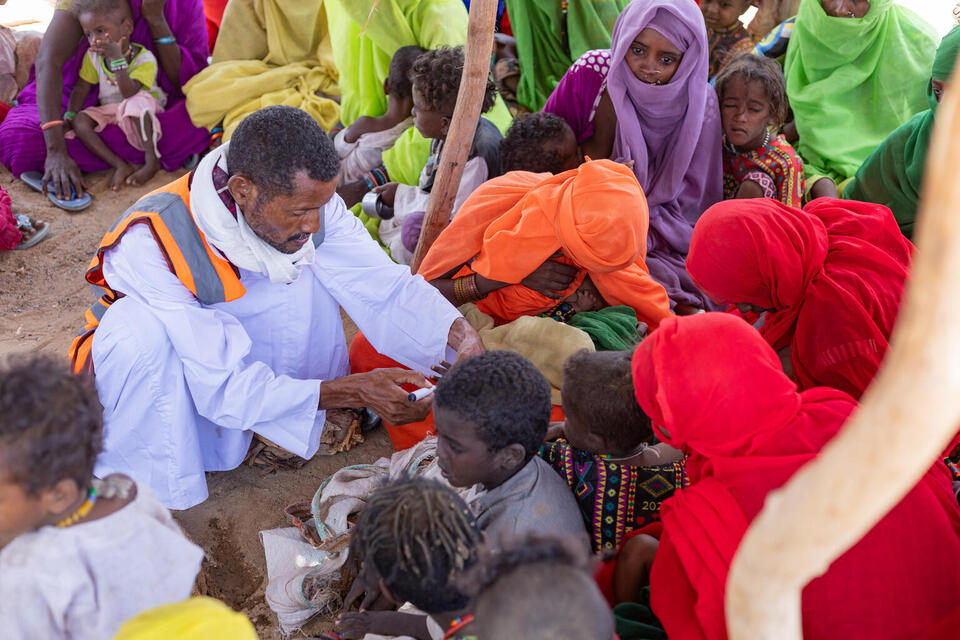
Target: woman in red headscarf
(828,279)
(714,389)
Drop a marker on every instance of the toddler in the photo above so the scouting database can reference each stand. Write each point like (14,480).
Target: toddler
(436,82)
(361,145)
(413,540)
(726,35)
(80,556)
(126,74)
(757,163)
(619,482)
(540,143)
(491,413)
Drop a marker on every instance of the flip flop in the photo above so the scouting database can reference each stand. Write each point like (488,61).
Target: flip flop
(34,180)
(24,221)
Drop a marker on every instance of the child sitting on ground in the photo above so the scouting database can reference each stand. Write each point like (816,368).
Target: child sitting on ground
(618,480)
(491,413)
(540,589)
(756,162)
(726,35)
(361,145)
(82,555)
(540,143)
(126,74)
(436,82)
(413,540)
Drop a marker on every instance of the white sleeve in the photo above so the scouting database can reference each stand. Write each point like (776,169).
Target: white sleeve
(474,175)
(211,344)
(401,315)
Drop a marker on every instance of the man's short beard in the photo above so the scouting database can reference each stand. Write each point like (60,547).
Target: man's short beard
(253,221)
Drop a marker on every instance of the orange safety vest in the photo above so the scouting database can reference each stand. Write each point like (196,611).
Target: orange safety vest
(166,212)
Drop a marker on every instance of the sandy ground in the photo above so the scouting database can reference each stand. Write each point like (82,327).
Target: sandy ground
(42,300)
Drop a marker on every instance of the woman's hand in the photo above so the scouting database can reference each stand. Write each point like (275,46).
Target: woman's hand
(387,193)
(60,170)
(551,278)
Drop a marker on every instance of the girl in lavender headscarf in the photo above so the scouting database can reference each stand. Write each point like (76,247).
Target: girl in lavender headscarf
(647,100)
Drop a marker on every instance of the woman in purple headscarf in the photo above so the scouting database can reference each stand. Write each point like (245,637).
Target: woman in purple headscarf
(174,30)
(647,100)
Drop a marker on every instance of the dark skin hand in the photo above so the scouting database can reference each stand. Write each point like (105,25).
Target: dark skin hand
(387,192)
(749,189)
(550,279)
(824,188)
(381,391)
(355,625)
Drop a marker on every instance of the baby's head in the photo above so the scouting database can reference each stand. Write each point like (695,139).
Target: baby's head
(104,20)
(540,143)
(541,588)
(51,425)
(413,539)
(602,414)
(753,100)
(398,85)
(491,413)
(436,82)
(722,14)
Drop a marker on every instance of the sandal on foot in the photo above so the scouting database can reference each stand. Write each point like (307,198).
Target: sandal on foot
(34,180)
(25,224)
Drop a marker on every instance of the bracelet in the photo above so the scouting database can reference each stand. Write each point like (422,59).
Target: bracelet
(217,129)
(465,289)
(118,65)
(69,115)
(50,124)
(165,40)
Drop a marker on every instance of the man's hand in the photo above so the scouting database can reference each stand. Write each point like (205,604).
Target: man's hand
(380,391)
(60,170)
(387,193)
(464,339)
(551,278)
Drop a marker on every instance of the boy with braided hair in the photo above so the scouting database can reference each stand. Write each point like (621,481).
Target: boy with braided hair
(413,540)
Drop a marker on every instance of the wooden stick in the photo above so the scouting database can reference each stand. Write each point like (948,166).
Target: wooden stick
(466,116)
(909,413)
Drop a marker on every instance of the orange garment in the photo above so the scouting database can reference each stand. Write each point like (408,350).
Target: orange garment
(596,215)
(166,212)
(364,358)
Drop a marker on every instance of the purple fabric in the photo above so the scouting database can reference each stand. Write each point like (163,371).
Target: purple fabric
(578,93)
(672,133)
(410,231)
(21,141)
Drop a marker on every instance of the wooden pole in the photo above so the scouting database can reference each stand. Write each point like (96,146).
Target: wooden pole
(466,116)
(910,413)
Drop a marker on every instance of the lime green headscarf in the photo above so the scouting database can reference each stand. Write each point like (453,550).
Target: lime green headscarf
(852,81)
(537,25)
(893,174)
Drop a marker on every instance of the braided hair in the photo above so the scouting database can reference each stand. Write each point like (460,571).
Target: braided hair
(419,535)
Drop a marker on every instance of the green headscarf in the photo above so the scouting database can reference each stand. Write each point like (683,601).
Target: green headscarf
(852,81)
(538,27)
(893,174)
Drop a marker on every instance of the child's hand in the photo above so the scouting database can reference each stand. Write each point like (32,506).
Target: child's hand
(354,625)
(112,50)
(387,193)
(554,431)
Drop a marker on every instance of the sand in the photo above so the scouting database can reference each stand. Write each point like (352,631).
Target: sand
(42,300)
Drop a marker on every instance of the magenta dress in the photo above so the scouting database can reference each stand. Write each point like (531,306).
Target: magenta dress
(21,142)
(672,132)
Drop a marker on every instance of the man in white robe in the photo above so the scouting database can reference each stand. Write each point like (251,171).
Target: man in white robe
(185,385)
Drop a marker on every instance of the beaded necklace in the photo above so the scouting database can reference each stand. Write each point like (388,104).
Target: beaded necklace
(82,511)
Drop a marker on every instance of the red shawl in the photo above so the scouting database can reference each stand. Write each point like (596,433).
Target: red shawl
(715,389)
(830,275)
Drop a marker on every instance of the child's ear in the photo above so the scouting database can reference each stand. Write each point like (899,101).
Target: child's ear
(446,125)
(510,458)
(386,85)
(60,497)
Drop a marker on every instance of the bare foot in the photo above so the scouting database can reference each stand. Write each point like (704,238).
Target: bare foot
(144,173)
(120,174)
